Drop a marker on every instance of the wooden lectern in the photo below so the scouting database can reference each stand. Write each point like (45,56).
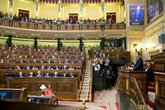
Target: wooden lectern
(159,67)
(126,84)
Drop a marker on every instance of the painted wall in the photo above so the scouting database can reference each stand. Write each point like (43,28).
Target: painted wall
(70,8)
(92,11)
(48,10)
(25,5)
(115,7)
(4,6)
(2,40)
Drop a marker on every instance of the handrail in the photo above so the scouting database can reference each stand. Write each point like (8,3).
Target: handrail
(134,94)
(62,27)
(141,96)
(53,31)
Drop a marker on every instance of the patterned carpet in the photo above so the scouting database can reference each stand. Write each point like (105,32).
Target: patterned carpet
(89,105)
(103,100)
(85,89)
(108,96)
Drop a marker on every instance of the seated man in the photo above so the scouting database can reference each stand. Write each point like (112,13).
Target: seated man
(39,74)
(49,92)
(47,75)
(72,75)
(31,74)
(20,75)
(56,74)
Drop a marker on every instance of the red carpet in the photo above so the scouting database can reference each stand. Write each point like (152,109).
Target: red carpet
(151,104)
(151,88)
(117,106)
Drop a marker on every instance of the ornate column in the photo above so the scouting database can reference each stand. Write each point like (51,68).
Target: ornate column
(102,8)
(35,43)
(37,8)
(81,44)
(102,43)
(59,44)
(59,9)
(124,43)
(10,6)
(81,8)
(9,41)
(10,13)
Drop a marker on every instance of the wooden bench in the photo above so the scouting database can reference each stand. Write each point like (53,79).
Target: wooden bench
(13,94)
(64,88)
(5,74)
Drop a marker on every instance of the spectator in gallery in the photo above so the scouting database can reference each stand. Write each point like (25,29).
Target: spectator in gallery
(139,62)
(110,20)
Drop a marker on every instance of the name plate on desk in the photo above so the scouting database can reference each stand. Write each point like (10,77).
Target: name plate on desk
(39,99)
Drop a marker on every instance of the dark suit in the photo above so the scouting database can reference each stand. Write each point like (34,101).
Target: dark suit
(139,64)
(150,74)
(108,78)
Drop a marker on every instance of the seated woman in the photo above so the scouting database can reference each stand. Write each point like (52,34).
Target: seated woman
(149,70)
(49,92)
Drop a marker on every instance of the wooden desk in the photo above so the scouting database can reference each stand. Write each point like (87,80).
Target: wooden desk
(160,90)
(15,94)
(159,66)
(65,88)
(39,99)
(125,84)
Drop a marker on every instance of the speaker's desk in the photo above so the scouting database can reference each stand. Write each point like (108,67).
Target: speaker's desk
(127,84)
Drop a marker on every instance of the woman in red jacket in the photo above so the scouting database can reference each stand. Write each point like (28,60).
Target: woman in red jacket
(49,92)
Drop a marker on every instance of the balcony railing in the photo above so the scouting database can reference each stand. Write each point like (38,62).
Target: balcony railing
(61,27)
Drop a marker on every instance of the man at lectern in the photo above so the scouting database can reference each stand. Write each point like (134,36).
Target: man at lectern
(139,62)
